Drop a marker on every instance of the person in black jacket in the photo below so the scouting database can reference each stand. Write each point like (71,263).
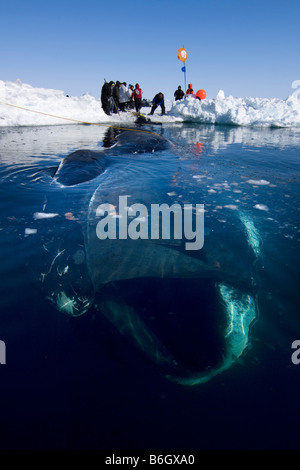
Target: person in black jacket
(106,94)
(158,100)
(179,94)
(116,97)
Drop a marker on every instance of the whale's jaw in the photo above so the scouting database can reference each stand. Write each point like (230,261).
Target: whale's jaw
(189,313)
(191,329)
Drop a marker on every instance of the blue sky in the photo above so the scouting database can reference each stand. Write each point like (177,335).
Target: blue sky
(245,47)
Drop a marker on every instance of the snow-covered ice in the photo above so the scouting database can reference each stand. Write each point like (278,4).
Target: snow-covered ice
(47,107)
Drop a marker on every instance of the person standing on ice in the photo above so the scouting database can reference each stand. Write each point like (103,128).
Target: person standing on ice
(190,90)
(131,101)
(106,94)
(137,95)
(116,97)
(158,100)
(124,96)
(179,94)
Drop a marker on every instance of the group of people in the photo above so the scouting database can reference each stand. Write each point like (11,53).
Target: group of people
(179,93)
(117,97)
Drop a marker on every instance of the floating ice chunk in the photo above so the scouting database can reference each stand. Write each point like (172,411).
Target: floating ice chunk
(199,177)
(258,182)
(231,206)
(261,207)
(30,231)
(44,215)
(172,193)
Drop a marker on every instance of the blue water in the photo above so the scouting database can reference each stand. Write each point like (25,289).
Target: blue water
(82,381)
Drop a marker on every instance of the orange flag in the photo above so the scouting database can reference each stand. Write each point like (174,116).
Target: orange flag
(182,55)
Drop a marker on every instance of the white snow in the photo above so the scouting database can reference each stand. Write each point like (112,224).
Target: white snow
(258,112)
(47,106)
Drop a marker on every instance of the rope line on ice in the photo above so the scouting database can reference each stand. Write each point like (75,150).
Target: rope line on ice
(76,120)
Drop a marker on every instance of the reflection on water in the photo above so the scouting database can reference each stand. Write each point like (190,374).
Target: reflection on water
(26,144)
(182,311)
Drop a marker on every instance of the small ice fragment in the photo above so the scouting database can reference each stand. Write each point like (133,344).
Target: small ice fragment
(44,215)
(261,207)
(30,231)
(258,182)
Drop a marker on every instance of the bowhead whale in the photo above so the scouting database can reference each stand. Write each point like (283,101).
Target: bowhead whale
(189,313)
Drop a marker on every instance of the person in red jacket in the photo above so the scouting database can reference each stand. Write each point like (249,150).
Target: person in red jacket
(137,95)
(190,90)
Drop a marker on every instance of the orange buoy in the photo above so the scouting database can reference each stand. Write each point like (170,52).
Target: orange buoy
(201,94)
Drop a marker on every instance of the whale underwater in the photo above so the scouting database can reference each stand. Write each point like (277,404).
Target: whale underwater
(188,312)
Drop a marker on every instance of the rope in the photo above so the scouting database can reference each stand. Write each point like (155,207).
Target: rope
(77,120)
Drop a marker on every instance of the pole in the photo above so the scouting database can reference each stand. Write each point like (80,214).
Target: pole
(184,77)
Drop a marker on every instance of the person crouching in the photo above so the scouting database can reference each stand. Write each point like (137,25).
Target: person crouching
(158,100)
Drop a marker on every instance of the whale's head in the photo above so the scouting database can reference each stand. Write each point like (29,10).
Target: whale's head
(85,165)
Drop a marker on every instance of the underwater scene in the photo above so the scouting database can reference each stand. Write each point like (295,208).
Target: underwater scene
(149,286)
